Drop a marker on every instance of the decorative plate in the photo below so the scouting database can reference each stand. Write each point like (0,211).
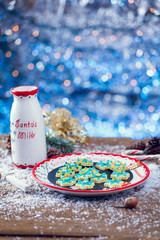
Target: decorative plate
(44,173)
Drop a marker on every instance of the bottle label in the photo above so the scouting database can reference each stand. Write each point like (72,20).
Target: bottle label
(28,124)
(24,130)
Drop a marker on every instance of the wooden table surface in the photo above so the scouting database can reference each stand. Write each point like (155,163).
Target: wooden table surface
(43,213)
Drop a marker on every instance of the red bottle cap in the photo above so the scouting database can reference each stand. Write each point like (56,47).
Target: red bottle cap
(24,91)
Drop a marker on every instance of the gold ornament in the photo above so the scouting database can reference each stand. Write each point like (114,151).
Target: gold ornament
(61,123)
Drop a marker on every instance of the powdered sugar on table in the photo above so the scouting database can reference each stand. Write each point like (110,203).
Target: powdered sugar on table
(93,216)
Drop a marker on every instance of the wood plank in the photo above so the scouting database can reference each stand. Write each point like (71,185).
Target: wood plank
(43,213)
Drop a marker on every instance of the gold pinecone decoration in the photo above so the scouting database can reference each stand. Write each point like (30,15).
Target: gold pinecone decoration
(61,123)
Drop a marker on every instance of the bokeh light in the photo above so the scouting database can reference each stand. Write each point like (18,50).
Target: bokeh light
(8,54)
(35,33)
(15,73)
(100,60)
(30,66)
(15,28)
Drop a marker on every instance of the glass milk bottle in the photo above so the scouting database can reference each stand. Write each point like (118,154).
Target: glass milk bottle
(28,142)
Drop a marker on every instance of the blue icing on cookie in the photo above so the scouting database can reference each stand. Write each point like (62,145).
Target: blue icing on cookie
(86,161)
(85,182)
(83,170)
(123,167)
(113,181)
(89,171)
(64,180)
(120,173)
(78,161)
(109,164)
(63,171)
(78,175)
(93,170)
(81,175)
(116,168)
(109,161)
(79,182)
(99,176)
(75,166)
(83,160)
(67,165)
(118,163)
(101,164)
(63,168)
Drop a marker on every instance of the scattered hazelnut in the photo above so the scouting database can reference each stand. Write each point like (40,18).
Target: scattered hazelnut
(158,161)
(131,202)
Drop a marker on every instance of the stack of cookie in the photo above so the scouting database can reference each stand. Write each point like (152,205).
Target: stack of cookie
(83,175)
(117,175)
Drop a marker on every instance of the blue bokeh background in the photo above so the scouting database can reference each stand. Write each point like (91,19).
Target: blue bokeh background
(99,59)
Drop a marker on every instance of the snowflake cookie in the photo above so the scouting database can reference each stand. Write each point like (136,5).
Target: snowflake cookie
(101,165)
(113,183)
(81,176)
(120,175)
(64,173)
(99,178)
(76,167)
(109,164)
(66,182)
(85,162)
(86,184)
(118,166)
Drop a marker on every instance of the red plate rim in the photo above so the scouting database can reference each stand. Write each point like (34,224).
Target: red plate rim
(91,191)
